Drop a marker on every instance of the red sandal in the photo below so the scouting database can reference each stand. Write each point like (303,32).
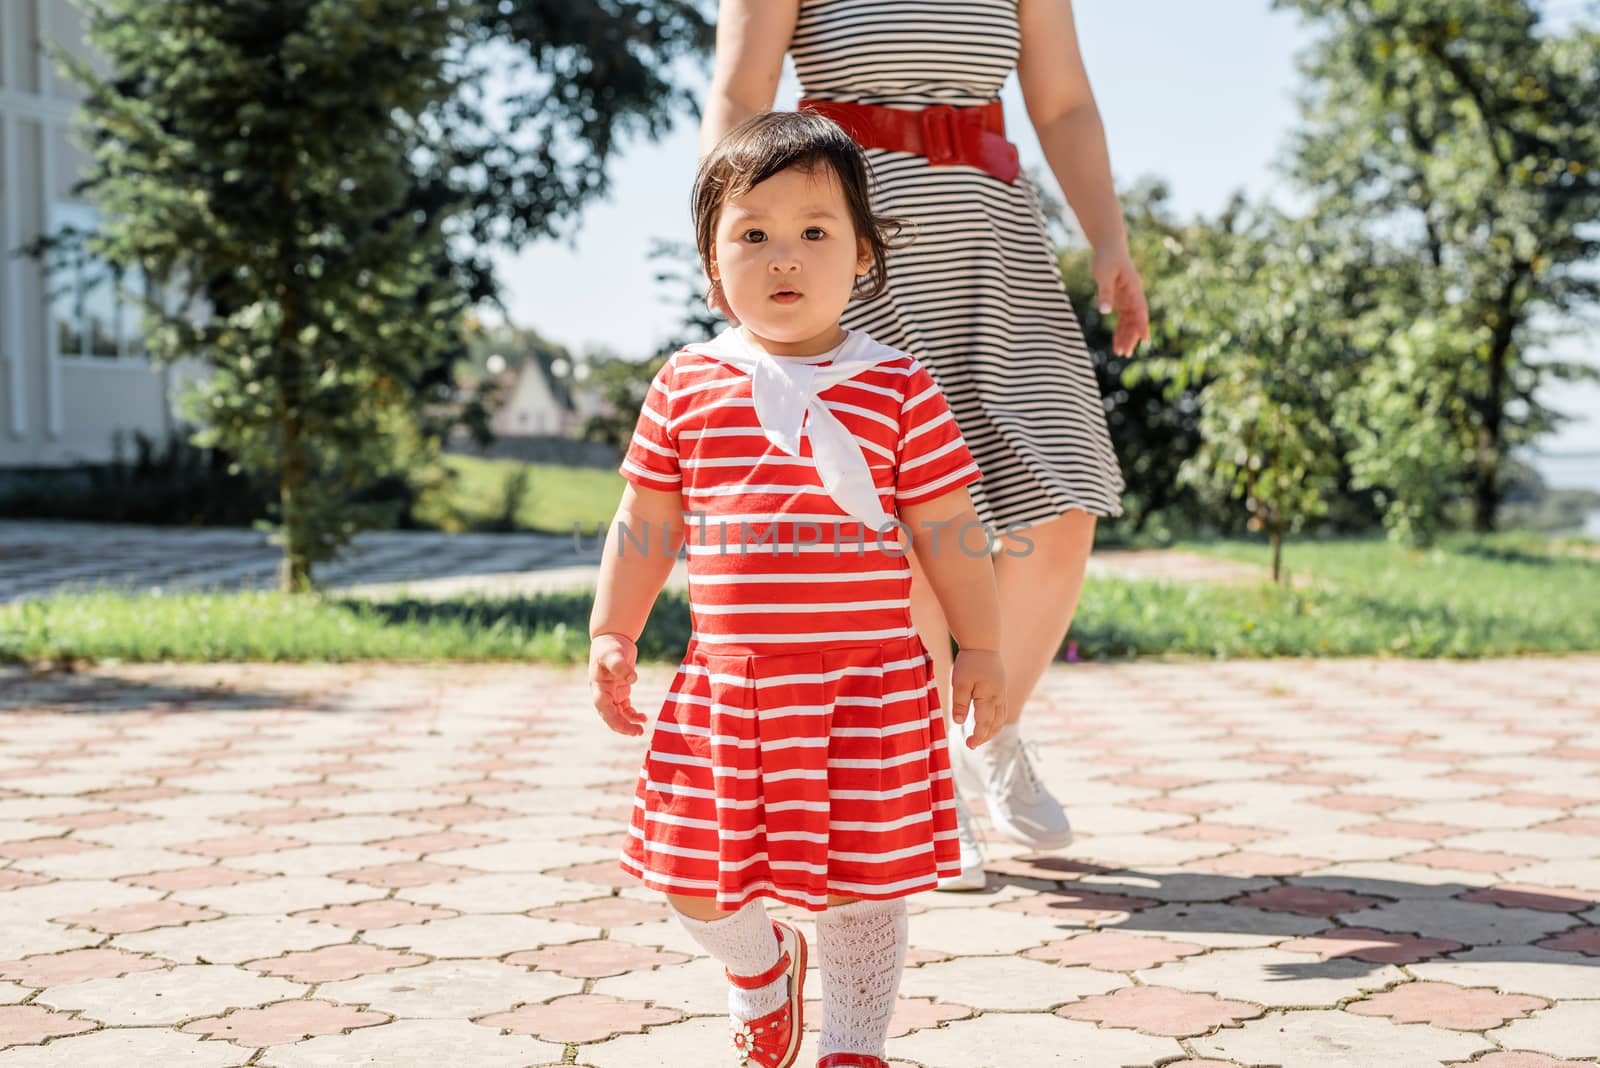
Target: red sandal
(851,1060)
(773,1040)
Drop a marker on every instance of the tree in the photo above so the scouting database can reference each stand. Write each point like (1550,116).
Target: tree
(1246,330)
(255,156)
(328,178)
(530,145)
(1467,131)
(1155,428)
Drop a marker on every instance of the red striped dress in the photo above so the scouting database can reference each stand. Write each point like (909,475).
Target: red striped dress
(800,751)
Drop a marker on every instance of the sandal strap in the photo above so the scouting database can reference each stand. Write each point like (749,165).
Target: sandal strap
(851,1060)
(766,978)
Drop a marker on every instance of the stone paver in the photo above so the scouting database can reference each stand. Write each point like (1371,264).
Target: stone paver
(1294,863)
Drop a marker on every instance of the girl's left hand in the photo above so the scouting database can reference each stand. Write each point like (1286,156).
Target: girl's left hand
(1118,289)
(978,689)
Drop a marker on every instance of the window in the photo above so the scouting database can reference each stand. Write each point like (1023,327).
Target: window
(91,311)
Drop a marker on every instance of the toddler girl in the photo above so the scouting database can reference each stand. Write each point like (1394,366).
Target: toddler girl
(800,754)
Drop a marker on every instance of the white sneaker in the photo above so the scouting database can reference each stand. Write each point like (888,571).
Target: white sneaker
(972,875)
(1020,806)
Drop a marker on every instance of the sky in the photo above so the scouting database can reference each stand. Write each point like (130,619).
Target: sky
(1199,95)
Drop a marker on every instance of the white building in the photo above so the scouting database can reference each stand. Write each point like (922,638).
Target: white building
(72,369)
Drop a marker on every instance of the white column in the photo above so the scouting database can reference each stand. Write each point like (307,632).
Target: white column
(8,76)
(41,16)
(52,359)
(12,337)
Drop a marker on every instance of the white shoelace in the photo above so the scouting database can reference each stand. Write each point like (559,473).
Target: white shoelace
(1014,762)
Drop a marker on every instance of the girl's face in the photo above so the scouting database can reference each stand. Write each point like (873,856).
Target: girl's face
(787,256)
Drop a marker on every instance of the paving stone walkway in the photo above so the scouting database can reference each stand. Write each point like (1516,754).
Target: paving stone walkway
(40,558)
(1309,864)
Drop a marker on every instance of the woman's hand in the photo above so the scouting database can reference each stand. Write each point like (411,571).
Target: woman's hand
(1118,290)
(611,677)
(978,679)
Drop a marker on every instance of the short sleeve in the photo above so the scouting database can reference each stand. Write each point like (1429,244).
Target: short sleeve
(933,457)
(651,461)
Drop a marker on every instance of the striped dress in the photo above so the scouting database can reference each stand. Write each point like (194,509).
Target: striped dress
(977,296)
(800,751)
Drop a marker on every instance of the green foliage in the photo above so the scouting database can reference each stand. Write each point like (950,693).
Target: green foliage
(622,385)
(1466,132)
(317,186)
(253,159)
(1155,430)
(575,77)
(1405,431)
(1250,326)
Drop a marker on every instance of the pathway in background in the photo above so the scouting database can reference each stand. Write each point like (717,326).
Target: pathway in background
(37,559)
(1316,864)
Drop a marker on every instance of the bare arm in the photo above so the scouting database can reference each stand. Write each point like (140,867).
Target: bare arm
(632,573)
(1055,88)
(752,37)
(1061,105)
(961,576)
(630,577)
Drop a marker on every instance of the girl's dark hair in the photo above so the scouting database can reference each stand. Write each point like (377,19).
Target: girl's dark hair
(774,141)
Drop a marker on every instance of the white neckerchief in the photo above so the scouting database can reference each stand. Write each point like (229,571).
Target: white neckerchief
(785,391)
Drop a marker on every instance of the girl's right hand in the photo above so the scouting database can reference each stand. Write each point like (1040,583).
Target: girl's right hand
(611,677)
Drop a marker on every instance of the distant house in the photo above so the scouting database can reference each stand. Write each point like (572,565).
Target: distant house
(72,365)
(534,402)
(542,400)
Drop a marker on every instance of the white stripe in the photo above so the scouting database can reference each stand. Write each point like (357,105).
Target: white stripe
(921,849)
(775,608)
(810,637)
(655,476)
(778,549)
(800,577)
(881,826)
(948,447)
(938,483)
(819,676)
(870,765)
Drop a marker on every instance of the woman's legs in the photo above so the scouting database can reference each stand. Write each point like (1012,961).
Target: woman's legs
(1040,585)
(1038,578)
(1037,583)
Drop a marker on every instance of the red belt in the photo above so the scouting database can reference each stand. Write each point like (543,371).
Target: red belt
(947,136)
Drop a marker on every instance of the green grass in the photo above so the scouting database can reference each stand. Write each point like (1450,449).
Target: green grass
(1468,598)
(211,627)
(555,497)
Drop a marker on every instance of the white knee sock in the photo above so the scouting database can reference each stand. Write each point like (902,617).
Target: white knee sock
(862,948)
(746,945)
